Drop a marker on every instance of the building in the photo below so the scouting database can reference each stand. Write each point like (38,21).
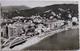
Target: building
(14,31)
(11,31)
(4,33)
(56,24)
(74,20)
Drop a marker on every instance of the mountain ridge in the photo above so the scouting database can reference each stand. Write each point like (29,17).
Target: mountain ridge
(40,10)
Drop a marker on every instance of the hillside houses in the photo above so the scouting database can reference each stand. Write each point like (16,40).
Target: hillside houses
(35,25)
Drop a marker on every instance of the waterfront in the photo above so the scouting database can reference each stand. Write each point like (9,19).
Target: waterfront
(65,40)
(45,28)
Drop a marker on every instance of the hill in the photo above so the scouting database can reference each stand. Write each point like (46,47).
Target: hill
(13,8)
(40,10)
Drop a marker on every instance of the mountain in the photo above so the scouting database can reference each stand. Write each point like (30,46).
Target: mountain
(54,8)
(41,10)
(7,9)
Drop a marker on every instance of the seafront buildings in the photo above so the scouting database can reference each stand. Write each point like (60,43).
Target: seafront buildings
(23,28)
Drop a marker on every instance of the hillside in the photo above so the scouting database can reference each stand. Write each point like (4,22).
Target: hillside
(40,10)
(72,7)
(13,8)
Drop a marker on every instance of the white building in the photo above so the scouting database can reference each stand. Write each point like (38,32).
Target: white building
(14,31)
(74,19)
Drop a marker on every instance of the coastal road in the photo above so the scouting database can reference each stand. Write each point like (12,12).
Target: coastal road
(66,40)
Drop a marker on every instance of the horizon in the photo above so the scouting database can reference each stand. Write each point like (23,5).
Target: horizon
(33,4)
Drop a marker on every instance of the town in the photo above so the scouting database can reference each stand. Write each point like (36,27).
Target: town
(19,29)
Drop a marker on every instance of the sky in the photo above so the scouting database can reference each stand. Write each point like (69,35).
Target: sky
(33,4)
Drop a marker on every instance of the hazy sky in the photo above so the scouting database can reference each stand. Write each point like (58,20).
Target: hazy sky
(32,3)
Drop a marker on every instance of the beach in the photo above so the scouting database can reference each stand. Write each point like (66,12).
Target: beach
(66,40)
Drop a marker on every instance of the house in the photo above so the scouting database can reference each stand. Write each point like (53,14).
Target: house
(40,28)
(74,20)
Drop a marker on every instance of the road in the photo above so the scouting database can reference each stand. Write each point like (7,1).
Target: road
(66,40)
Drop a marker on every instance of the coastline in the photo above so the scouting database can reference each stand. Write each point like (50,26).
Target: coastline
(36,39)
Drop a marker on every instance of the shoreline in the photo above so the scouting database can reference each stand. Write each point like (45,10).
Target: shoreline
(36,39)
